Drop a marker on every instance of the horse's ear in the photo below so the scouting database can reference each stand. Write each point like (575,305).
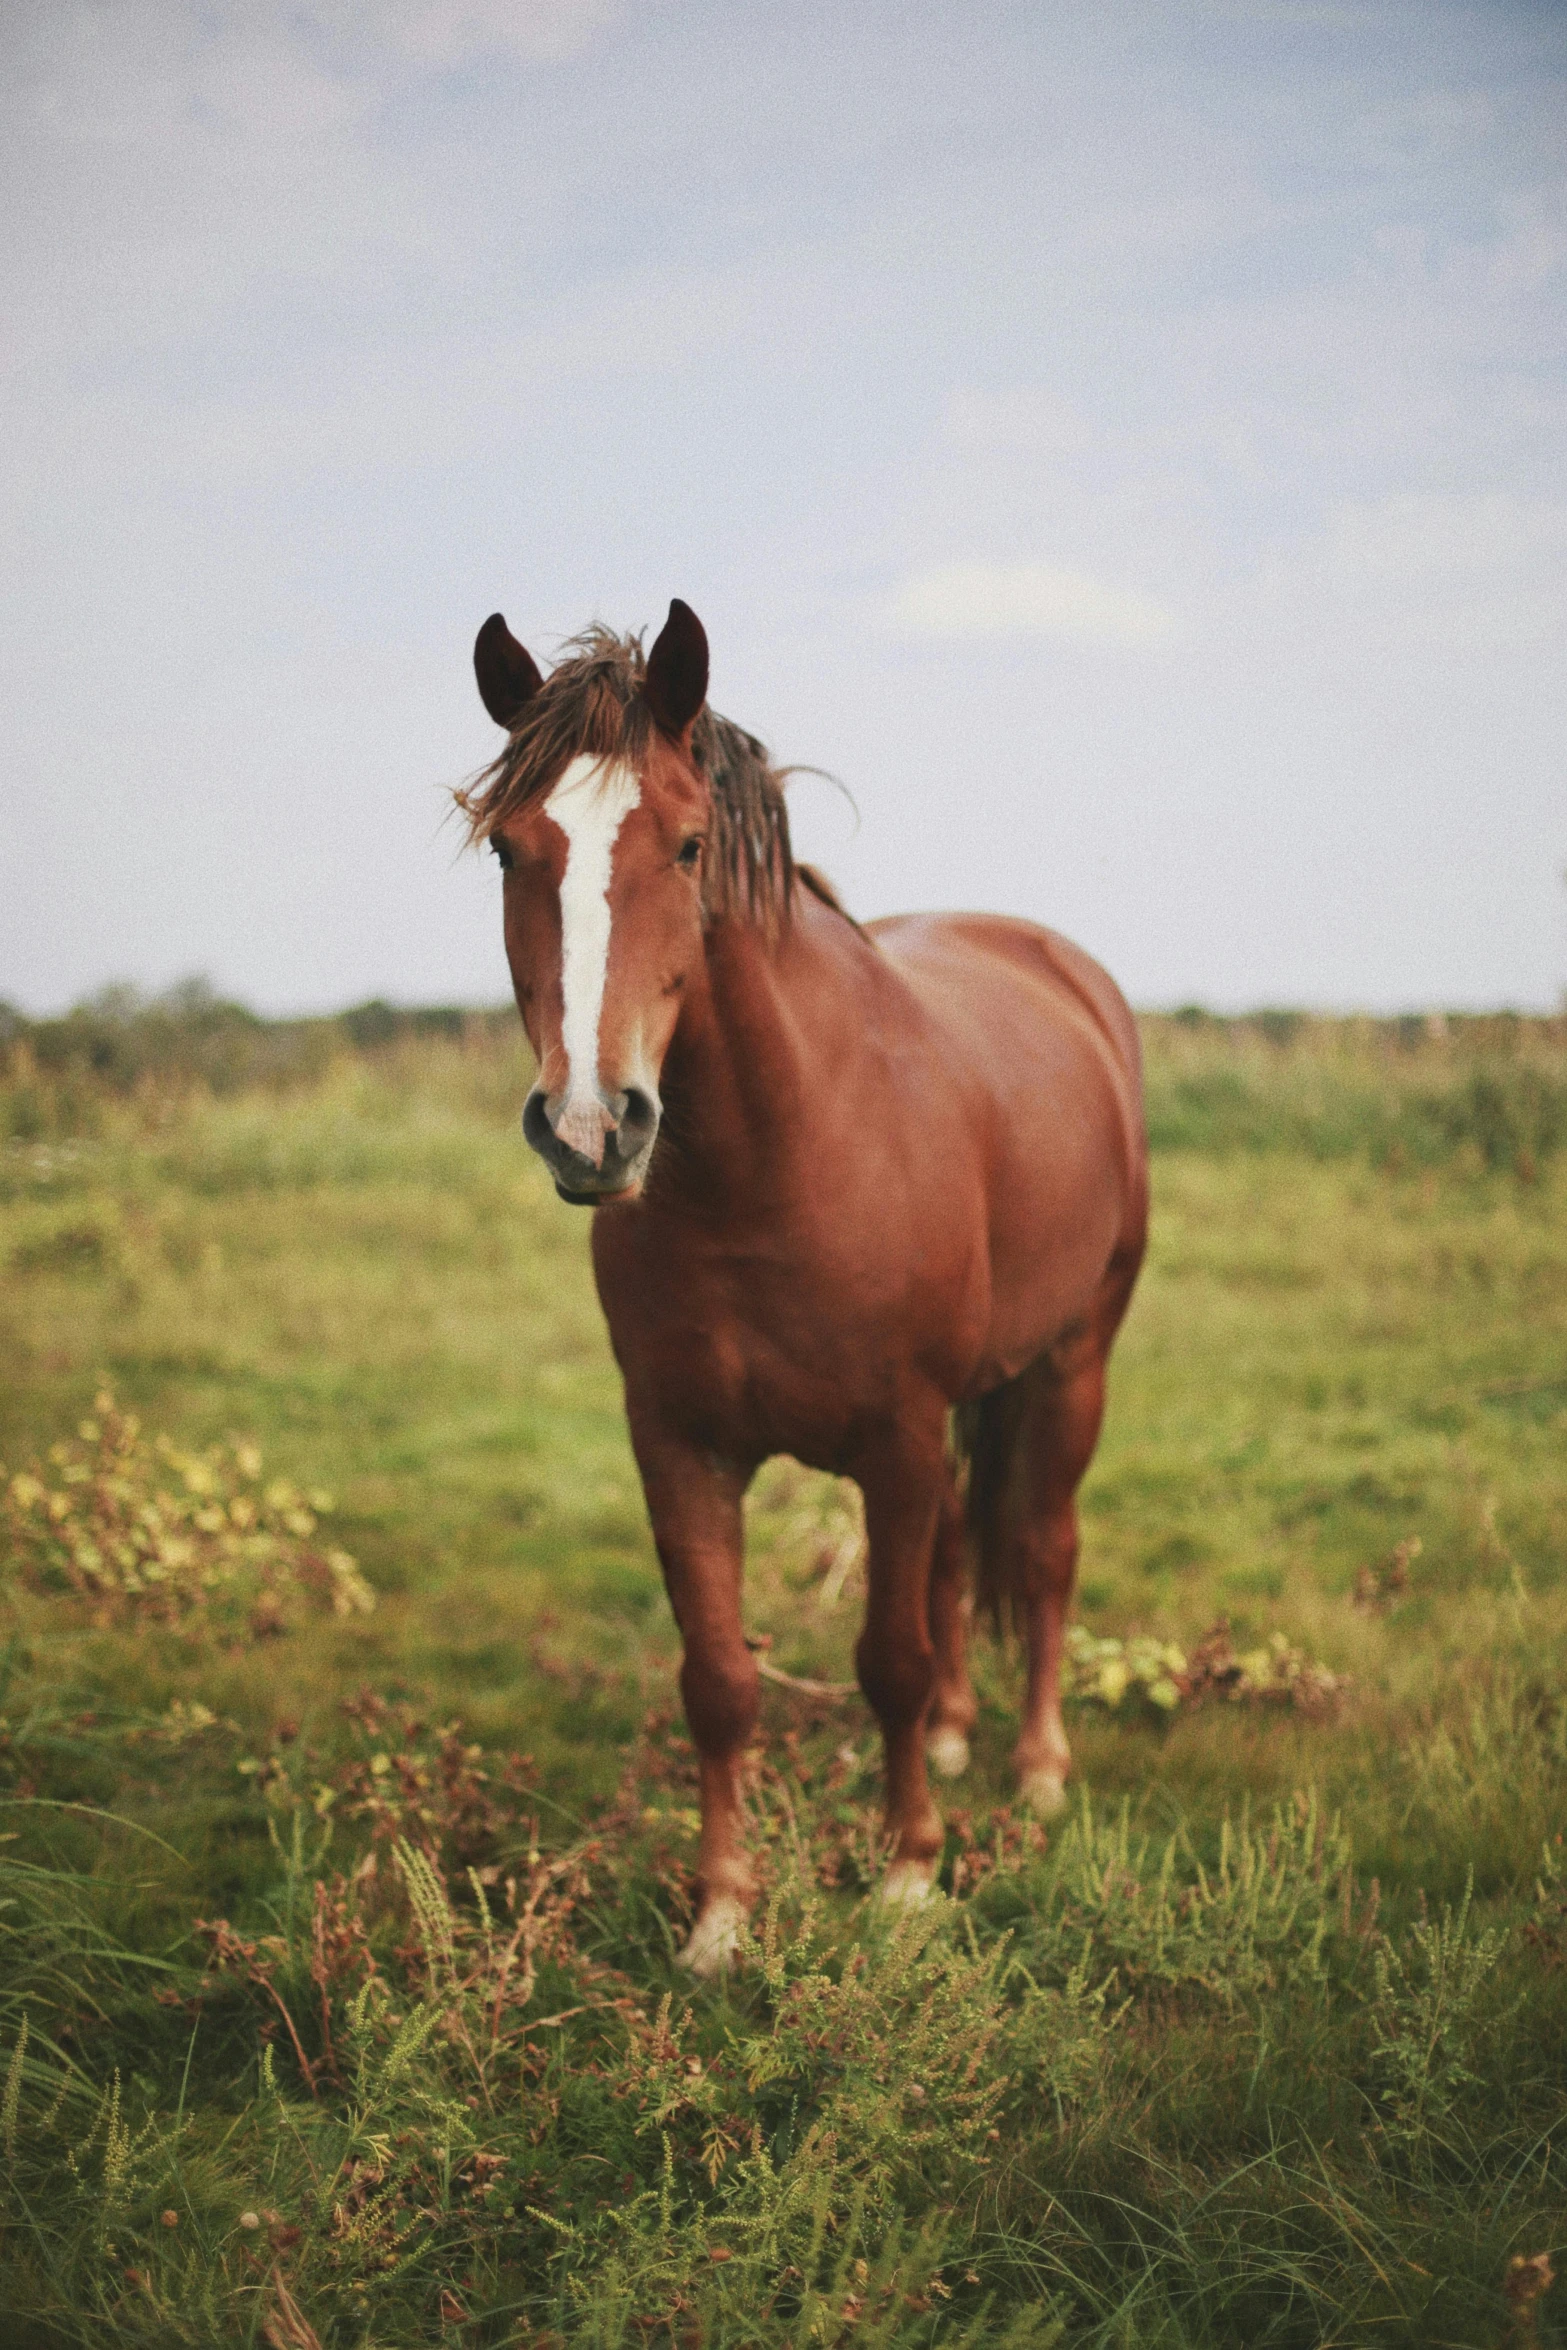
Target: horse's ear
(676,683)
(507,673)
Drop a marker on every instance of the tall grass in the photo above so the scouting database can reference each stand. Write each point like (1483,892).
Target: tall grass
(1484,1091)
(338,2002)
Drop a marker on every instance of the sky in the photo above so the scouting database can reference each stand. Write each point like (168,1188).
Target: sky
(1126,445)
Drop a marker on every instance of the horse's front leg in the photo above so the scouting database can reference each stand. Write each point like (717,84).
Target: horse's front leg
(903,1484)
(695,1507)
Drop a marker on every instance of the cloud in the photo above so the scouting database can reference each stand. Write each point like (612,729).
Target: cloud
(1288,15)
(146,78)
(1425,127)
(1533,246)
(152,70)
(970,600)
(1024,419)
(1415,538)
(444,32)
(1416,573)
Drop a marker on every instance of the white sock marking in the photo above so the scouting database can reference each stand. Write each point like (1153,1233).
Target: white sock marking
(590,803)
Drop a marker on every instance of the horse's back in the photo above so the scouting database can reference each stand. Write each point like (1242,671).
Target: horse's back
(967,953)
(1045,1048)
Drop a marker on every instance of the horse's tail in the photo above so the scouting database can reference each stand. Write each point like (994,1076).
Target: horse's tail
(985,1435)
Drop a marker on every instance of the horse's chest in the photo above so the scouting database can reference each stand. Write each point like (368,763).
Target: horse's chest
(757,1355)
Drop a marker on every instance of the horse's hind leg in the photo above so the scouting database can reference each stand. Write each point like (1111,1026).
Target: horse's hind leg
(954,1709)
(1058,1431)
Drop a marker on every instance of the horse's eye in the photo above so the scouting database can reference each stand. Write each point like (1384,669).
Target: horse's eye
(690,852)
(503,855)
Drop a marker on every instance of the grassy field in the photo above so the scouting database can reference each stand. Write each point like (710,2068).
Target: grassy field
(337,1995)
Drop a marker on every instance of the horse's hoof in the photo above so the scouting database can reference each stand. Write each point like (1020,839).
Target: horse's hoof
(1044,1792)
(948,1752)
(906,1882)
(715,1938)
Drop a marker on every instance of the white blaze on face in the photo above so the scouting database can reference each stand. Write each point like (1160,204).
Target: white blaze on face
(590,803)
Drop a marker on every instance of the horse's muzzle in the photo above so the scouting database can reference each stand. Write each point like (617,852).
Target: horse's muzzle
(627,1142)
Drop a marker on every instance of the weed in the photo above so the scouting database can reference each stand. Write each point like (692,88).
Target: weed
(1150,1915)
(1424,2017)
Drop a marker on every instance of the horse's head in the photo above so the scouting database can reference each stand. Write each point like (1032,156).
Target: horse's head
(600,823)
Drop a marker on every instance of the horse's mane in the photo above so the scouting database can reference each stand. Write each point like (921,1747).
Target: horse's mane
(590,703)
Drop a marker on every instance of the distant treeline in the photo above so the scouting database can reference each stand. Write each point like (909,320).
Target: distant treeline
(1418,1090)
(124,1043)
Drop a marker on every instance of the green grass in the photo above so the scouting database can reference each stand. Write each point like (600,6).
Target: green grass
(1266,2044)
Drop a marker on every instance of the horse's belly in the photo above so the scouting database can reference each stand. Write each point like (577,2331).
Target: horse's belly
(1044,1296)
(1024,1029)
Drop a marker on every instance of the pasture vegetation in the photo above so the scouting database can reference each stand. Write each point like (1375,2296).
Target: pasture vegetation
(337,1995)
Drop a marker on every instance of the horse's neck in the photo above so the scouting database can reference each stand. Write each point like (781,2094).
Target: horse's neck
(737,1079)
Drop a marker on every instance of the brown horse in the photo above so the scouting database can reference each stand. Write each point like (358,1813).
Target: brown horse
(847,1178)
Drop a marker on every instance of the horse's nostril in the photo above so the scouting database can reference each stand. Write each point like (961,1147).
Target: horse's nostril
(638,1122)
(537,1131)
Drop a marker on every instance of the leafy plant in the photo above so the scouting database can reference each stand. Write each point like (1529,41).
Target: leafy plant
(1102,1670)
(1105,1671)
(140,1530)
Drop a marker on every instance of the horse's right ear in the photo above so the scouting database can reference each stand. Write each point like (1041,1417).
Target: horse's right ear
(507,673)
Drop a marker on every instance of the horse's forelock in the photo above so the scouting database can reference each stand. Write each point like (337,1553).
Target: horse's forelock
(590,706)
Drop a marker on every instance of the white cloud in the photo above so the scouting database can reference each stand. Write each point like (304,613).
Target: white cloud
(443,32)
(971,600)
(1419,538)
(148,77)
(1022,419)
(1402,578)
(150,70)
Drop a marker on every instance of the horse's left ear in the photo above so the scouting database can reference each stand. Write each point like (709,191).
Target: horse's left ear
(676,683)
